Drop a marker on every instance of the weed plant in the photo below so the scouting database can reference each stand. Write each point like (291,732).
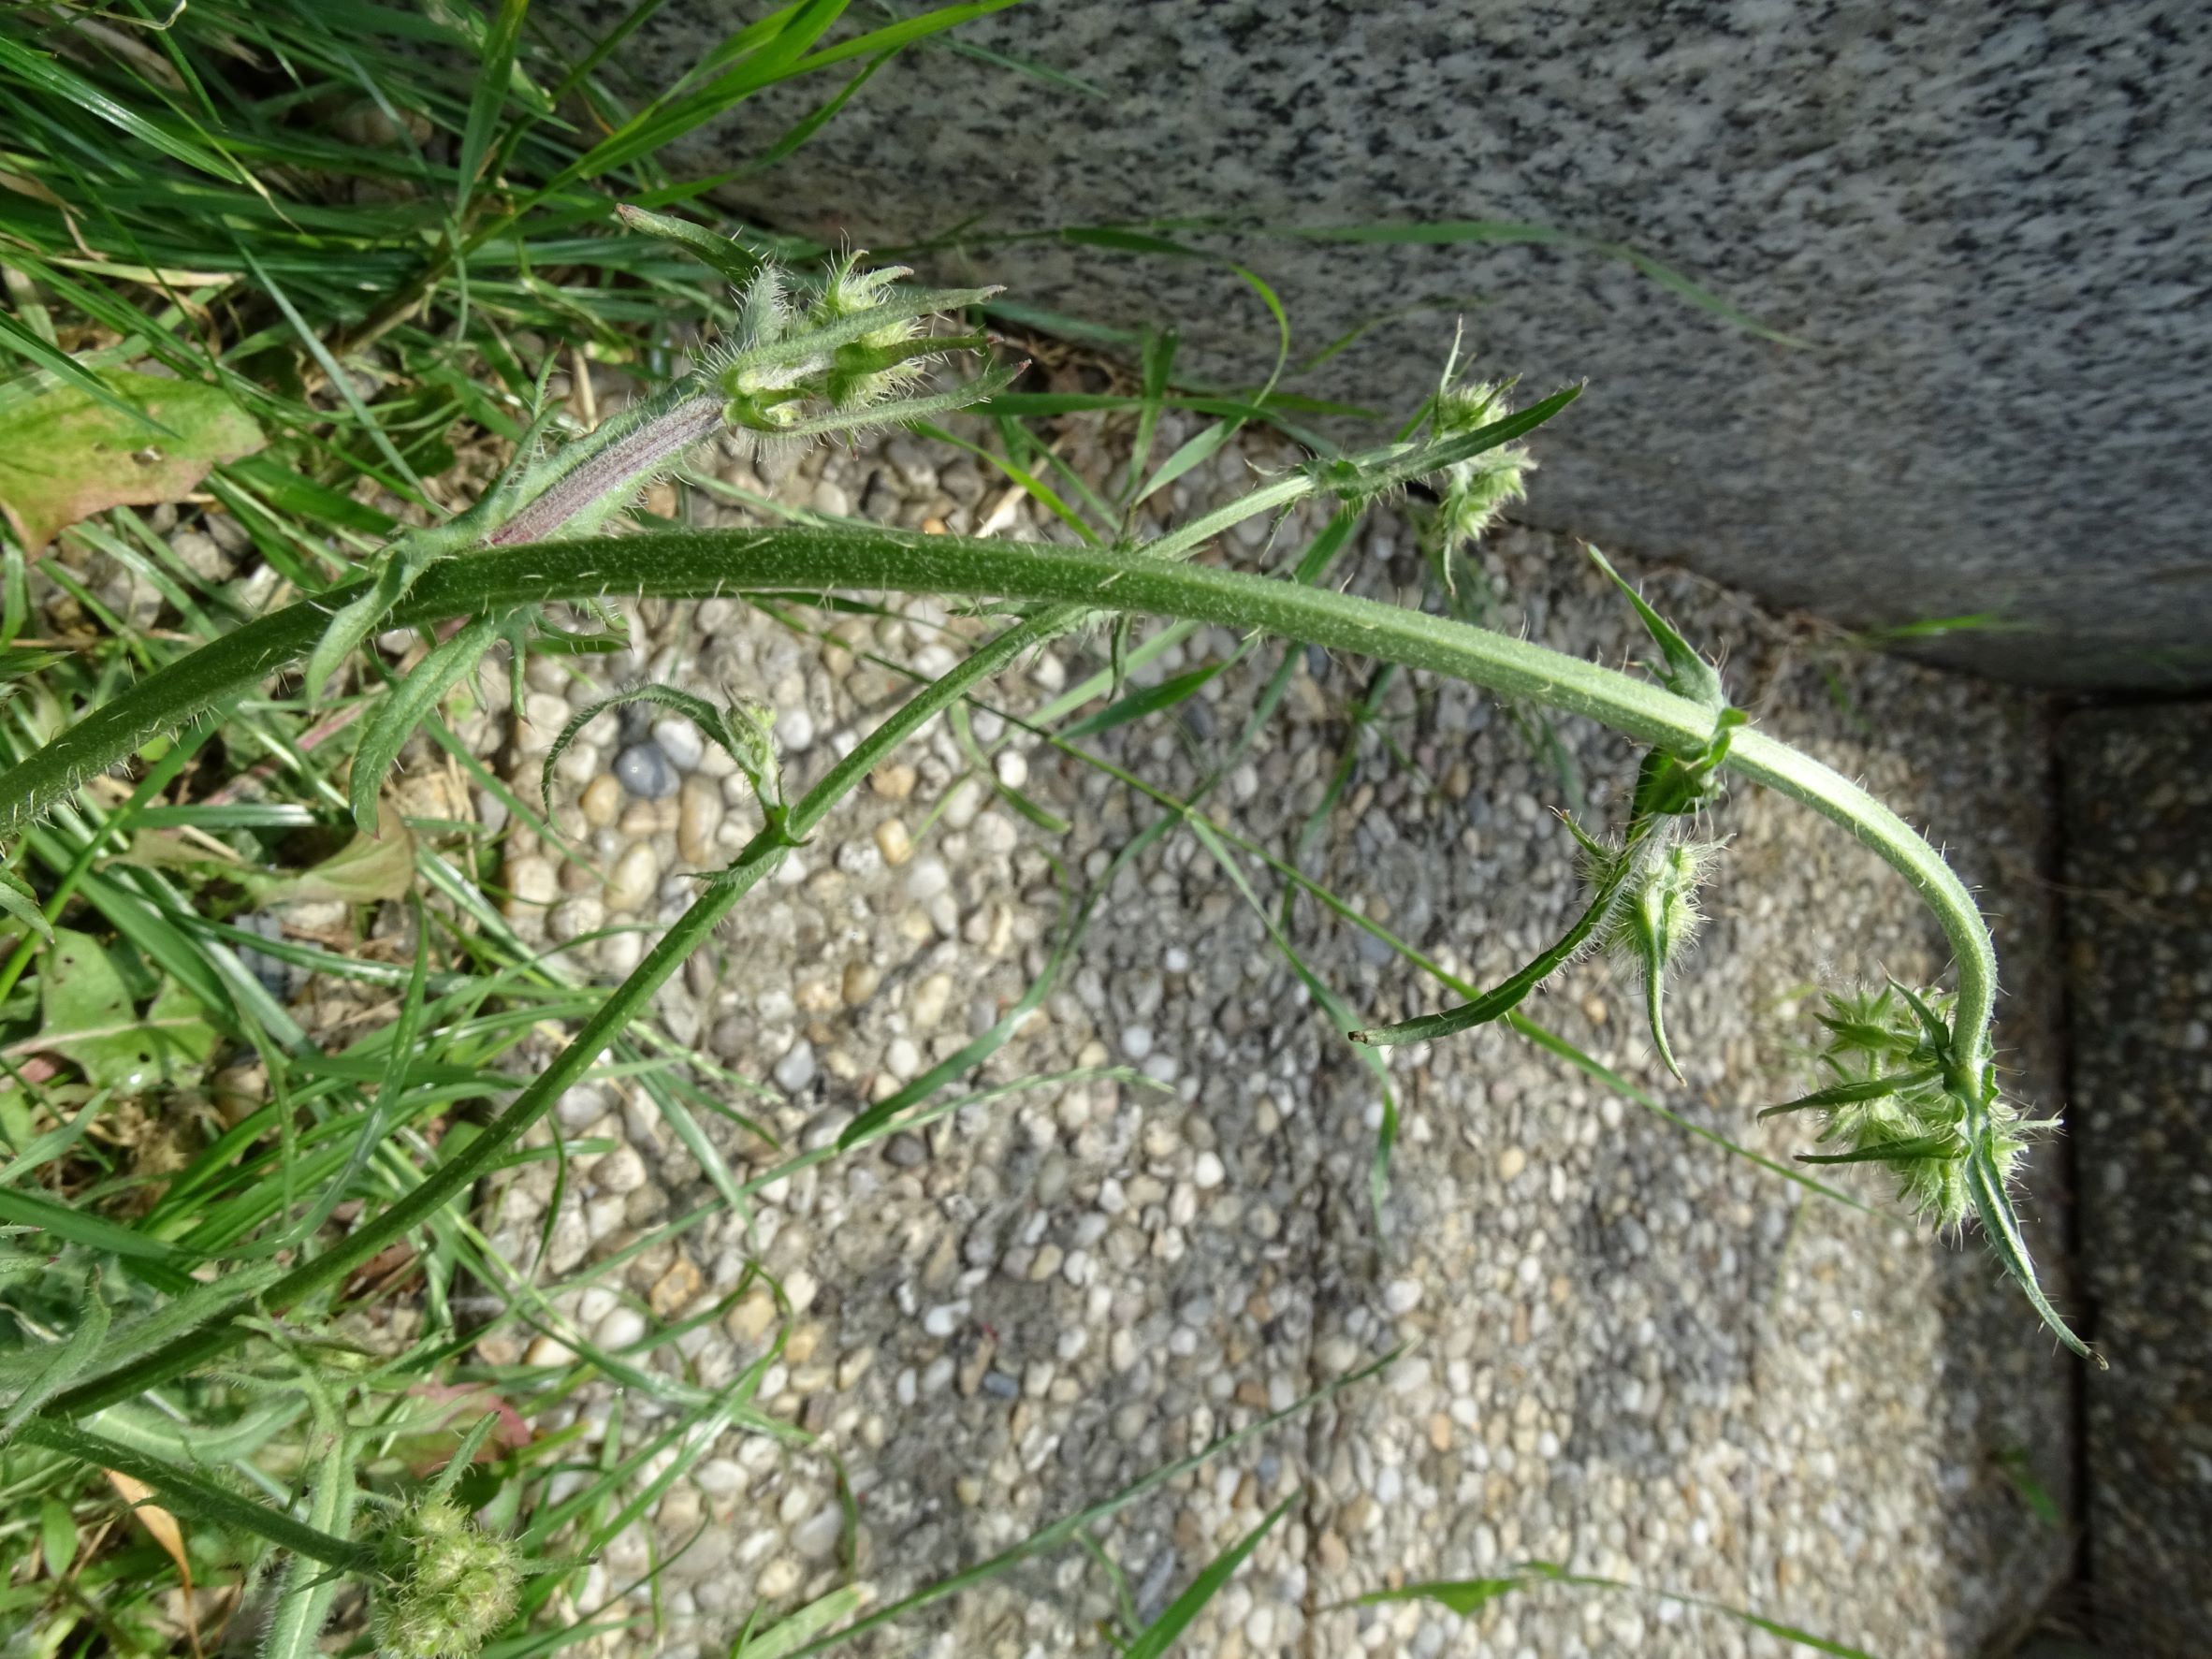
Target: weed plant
(339,238)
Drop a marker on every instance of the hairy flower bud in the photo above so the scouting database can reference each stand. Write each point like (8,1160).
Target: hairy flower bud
(445,1584)
(1657,917)
(1473,492)
(1895,1101)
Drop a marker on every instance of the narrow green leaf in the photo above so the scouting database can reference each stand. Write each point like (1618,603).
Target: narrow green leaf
(57,1537)
(1509,994)
(80,1226)
(404,708)
(1686,673)
(1942,1143)
(463,1456)
(66,1360)
(304,1605)
(18,900)
(725,257)
(1137,704)
(789,1634)
(1159,1636)
(814,120)
(1193,451)
(73,90)
(1855,1092)
(188,1492)
(494,74)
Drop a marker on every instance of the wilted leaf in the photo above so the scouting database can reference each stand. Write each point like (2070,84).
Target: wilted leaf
(364,870)
(87,1016)
(166,1532)
(64,454)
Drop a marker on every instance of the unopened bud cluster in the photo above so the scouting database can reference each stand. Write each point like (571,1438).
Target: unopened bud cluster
(444,1584)
(1895,1101)
(802,364)
(1472,493)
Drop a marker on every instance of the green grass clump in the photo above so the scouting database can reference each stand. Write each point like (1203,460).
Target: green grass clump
(246,1285)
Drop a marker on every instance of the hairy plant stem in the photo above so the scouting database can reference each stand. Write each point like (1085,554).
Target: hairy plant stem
(1072,583)
(615,461)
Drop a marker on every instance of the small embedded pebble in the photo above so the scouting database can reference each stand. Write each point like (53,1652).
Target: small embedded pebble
(619,1329)
(635,874)
(645,771)
(620,1171)
(1136,1042)
(926,879)
(795,1070)
(1001,1386)
(699,815)
(907,1151)
(618,953)
(860,981)
(601,802)
(893,842)
(795,730)
(532,881)
(1207,1172)
(679,741)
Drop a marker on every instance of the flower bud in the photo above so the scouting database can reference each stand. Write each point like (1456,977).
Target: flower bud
(1657,917)
(1473,492)
(445,1584)
(1892,1103)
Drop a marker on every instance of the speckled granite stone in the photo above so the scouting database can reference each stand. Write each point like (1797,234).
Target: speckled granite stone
(2139,806)
(1987,218)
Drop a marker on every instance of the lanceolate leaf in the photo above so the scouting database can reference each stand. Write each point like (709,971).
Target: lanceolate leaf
(1854,1093)
(18,900)
(1683,671)
(405,706)
(1497,1003)
(1469,1597)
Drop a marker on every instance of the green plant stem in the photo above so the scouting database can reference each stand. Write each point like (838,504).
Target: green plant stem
(699,564)
(193,1495)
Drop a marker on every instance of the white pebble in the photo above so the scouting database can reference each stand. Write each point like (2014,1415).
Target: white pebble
(795,730)
(619,1329)
(680,741)
(795,1070)
(1207,1173)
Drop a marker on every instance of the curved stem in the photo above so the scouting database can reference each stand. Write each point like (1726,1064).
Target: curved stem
(699,564)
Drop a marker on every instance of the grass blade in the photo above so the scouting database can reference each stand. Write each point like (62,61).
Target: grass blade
(1159,1636)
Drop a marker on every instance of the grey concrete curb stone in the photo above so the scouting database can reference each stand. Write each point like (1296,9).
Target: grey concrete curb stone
(2139,868)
